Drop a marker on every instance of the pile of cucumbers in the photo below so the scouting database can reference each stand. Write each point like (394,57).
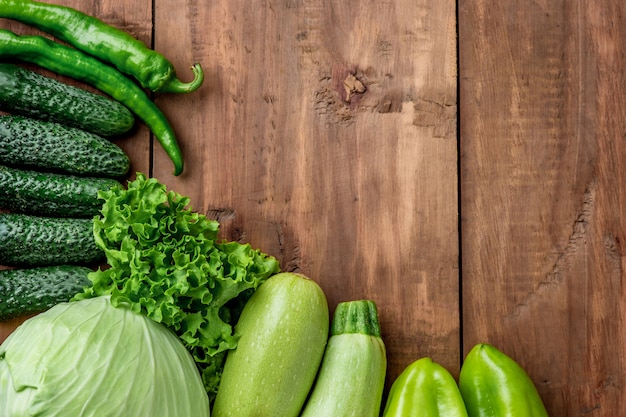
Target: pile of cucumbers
(56,154)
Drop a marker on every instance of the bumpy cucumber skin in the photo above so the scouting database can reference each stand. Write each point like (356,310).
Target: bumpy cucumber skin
(27,240)
(51,194)
(33,290)
(284,330)
(27,93)
(37,144)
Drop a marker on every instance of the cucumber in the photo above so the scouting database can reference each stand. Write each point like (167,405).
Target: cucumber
(284,329)
(51,194)
(352,375)
(27,240)
(37,144)
(33,290)
(27,93)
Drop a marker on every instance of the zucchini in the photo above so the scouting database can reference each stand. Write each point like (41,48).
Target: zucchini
(27,93)
(27,240)
(37,144)
(283,329)
(33,290)
(51,194)
(352,375)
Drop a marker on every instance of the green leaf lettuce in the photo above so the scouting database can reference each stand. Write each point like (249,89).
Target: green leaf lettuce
(164,261)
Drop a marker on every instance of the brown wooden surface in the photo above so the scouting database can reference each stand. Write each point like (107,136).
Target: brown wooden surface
(543,174)
(326,135)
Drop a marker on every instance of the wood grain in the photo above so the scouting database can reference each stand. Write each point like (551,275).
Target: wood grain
(542,126)
(326,135)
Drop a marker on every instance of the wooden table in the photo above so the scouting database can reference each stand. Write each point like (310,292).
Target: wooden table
(473,186)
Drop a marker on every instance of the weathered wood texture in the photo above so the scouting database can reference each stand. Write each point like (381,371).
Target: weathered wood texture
(326,135)
(542,128)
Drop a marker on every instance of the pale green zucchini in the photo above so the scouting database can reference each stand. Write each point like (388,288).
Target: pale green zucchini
(352,375)
(284,329)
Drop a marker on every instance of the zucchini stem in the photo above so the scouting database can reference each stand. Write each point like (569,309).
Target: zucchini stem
(358,316)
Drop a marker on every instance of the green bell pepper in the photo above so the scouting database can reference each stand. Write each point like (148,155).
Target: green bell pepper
(494,385)
(425,389)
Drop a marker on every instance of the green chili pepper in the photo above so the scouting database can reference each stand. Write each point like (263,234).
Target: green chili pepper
(107,43)
(494,385)
(424,389)
(70,62)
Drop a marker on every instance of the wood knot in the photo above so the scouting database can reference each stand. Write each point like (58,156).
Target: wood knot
(352,86)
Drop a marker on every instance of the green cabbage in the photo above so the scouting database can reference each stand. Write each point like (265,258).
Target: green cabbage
(164,260)
(89,359)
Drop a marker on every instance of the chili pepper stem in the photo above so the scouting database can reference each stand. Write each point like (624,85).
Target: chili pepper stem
(174,85)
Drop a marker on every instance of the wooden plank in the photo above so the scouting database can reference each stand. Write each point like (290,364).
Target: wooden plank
(542,123)
(325,135)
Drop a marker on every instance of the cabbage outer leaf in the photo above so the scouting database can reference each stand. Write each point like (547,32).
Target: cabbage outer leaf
(89,359)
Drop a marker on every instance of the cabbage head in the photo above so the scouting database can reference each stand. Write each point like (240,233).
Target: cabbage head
(90,359)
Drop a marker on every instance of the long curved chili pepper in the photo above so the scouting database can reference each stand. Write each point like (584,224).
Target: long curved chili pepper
(72,63)
(105,42)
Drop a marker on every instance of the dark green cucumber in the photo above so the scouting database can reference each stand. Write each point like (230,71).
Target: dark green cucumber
(27,93)
(27,240)
(37,144)
(33,290)
(51,194)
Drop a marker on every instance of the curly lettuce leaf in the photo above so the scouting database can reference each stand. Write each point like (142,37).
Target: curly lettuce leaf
(164,261)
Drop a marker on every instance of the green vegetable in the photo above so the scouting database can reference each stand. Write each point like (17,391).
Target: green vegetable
(352,376)
(284,329)
(493,384)
(27,240)
(32,290)
(164,260)
(36,144)
(51,194)
(70,62)
(26,93)
(424,389)
(107,43)
(88,358)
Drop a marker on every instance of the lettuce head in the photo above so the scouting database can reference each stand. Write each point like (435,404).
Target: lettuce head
(90,359)
(164,260)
